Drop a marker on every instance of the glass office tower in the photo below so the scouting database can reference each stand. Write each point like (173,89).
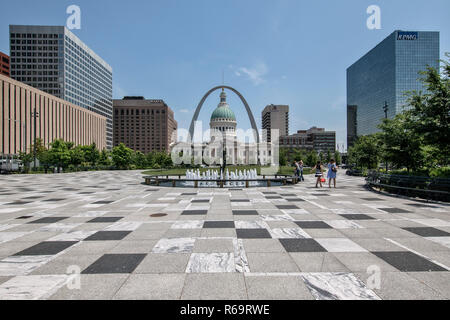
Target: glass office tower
(385,73)
(54,60)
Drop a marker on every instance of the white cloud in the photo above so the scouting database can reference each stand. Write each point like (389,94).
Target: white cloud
(255,74)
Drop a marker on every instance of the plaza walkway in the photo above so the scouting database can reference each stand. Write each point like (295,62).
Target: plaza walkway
(132,241)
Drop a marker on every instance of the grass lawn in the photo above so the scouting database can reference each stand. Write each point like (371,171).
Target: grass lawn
(285,170)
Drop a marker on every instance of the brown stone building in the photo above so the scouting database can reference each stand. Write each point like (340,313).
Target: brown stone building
(317,139)
(143,125)
(56,119)
(5,68)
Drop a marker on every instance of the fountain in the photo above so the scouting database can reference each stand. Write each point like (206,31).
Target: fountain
(211,178)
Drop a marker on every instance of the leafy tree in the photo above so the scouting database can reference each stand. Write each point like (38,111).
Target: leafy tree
(139,160)
(59,155)
(26,159)
(365,153)
(121,156)
(91,154)
(337,157)
(429,113)
(328,155)
(76,156)
(104,159)
(401,145)
(282,157)
(45,159)
(312,158)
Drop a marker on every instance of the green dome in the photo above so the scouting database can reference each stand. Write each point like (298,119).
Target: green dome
(223,112)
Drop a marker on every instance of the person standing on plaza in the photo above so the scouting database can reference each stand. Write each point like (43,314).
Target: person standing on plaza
(332,171)
(300,165)
(297,169)
(319,173)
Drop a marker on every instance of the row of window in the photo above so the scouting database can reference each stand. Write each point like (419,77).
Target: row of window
(36,41)
(35,54)
(34,48)
(138,112)
(34,66)
(36,35)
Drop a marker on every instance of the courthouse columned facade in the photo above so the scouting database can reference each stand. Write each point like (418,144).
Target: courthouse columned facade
(56,119)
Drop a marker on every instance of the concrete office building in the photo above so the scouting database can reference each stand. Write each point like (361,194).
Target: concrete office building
(54,60)
(144,125)
(5,65)
(385,73)
(317,139)
(56,119)
(275,117)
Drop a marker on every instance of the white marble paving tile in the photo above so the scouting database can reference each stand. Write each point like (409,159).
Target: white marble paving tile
(241,204)
(8,236)
(247,224)
(445,241)
(260,201)
(294,211)
(344,202)
(211,263)
(337,286)
(92,214)
(173,194)
(277,217)
(439,209)
(166,199)
(91,205)
(188,224)
(78,235)
(157,205)
(240,257)
(288,233)
(59,227)
(32,287)
(22,265)
(344,224)
(339,245)
(124,226)
(10,210)
(176,245)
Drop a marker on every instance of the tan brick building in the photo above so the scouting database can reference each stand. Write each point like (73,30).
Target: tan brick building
(5,67)
(57,119)
(143,125)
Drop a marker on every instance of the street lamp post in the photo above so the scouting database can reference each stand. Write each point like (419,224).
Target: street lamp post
(23,140)
(34,114)
(386,109)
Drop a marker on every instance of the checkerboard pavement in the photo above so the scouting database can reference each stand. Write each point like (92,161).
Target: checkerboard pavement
(128,240)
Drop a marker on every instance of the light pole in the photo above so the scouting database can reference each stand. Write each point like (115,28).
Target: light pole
(385,109)
(34,114)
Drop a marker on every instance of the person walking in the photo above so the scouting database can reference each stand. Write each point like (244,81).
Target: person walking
(300,165)
(332,171)
(297,169)
(319,173)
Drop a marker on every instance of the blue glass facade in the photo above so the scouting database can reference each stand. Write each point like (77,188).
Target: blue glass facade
(386,72)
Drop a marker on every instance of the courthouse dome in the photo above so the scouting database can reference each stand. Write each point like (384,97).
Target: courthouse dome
(223,110)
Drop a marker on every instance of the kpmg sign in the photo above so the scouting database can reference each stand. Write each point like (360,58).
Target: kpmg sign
(402,35)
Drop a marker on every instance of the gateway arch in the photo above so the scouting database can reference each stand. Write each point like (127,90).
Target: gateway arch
(249,111)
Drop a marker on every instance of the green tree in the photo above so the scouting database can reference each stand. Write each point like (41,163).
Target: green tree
(76,156)
(429,114)
(401,145)
(328,155)
(104,159)
(26,159)
(365,153)
(312,158)
(139,160)
(121,156)
(337,157)
(59,155)
(282,157)
(91,154)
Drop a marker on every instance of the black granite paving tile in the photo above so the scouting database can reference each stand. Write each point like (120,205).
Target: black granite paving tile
(239,200)
(407,261)
(218,224)
(394,210)
(108,235)
(245,212)
(312,225)
(194,212)
(46,248)
(115,263)
(103,202)
(301,245)
(48,220)
(252,233)
(372,199)
(200,201)
(427,232)
(357,217)
(286,206)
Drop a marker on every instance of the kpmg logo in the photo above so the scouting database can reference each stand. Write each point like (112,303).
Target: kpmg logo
(407,35)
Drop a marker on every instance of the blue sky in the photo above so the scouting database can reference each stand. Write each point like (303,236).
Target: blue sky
(291,52)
